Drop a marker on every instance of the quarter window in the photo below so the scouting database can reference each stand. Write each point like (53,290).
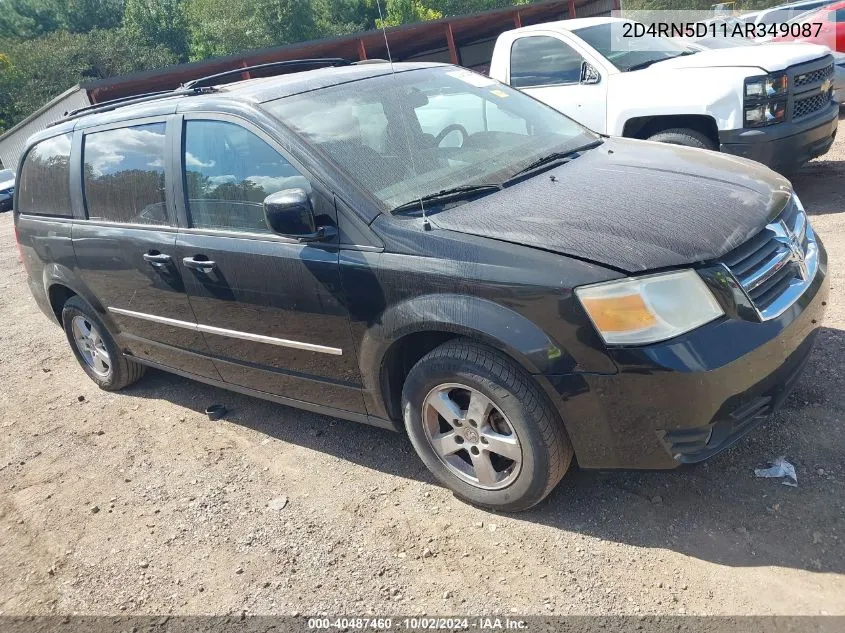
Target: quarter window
(229,171)
(44,187)
(124,175)
(541,60)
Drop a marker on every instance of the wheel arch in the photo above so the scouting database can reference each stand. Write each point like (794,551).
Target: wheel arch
(61,283)
(411,329)
(644,127)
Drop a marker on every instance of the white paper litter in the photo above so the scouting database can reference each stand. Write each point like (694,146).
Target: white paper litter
(780,468)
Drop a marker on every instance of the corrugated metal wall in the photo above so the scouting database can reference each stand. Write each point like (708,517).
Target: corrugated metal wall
(595,8)
(13,144)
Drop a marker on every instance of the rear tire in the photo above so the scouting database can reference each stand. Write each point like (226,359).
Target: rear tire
(685,137)
(500,444)
(95,349)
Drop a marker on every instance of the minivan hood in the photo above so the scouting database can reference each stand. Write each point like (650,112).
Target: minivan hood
(632,205)
(770,57)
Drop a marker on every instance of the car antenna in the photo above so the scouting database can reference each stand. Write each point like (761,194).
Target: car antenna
(426,223)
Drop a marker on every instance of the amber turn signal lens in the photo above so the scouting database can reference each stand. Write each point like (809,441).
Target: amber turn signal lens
(619,314)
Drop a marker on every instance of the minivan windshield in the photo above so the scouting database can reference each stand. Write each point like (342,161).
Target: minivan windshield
(629,53)
(425,131)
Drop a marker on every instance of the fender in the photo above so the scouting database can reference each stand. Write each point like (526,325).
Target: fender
(57,274)
(473,317)
(712,92)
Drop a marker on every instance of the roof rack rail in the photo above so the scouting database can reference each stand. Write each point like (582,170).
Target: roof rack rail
(114,104)
(197,86)
(210,80)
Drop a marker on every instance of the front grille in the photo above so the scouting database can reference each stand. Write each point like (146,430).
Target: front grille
(810,88)
(778,264)
(808,105)
(813,76)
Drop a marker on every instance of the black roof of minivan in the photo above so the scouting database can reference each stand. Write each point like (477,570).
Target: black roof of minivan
(225,96)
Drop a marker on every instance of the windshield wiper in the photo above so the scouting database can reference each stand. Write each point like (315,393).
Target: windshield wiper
(648,63)
(551,160)
(453,194)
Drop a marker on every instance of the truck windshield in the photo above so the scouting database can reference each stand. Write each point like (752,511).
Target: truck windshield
(428,130)
(629,53)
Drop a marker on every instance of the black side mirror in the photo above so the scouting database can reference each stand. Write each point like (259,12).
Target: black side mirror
(289,213)
(589,75)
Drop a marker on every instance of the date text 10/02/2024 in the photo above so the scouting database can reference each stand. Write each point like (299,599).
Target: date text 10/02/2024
(419,624)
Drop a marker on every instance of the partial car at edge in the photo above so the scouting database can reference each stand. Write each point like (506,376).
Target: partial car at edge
(7,189)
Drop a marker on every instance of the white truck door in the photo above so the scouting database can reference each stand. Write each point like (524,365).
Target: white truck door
(549,69)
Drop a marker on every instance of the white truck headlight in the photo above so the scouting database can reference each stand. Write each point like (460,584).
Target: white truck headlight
(641,310)
(765,100)
(767,86)
(765,113)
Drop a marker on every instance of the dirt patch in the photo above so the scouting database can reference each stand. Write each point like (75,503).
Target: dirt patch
(135,503)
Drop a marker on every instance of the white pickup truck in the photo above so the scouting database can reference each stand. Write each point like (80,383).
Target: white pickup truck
(771,103)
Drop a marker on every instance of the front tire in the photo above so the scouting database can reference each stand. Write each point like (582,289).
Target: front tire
(685,137)
(95,348)
(483,427)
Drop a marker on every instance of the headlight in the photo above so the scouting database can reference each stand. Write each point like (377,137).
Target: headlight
(766,87)
(765,100)
(640,310)
(765,114)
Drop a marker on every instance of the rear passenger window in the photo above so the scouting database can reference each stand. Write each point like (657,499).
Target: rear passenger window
(124,175)
(541,60)
(229,171)
(44,187)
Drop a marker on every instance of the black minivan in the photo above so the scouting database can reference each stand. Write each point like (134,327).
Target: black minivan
(418,246)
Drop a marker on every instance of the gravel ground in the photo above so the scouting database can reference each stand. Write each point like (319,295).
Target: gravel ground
(135,503)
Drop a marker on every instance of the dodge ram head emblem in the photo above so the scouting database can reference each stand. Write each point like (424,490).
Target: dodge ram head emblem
(792,241)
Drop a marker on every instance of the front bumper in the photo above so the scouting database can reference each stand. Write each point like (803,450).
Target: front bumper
(688,398)
(6,201)
(786,146)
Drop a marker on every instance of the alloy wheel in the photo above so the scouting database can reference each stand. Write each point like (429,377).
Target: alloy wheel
(91,346)
(471,436)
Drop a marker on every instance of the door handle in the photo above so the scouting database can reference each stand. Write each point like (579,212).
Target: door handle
(203,265)
(158,260)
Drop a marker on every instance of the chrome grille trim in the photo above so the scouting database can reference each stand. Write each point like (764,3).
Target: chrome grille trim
(789,264)
(768,270)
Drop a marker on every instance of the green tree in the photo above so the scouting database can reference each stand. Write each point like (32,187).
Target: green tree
(223,27)
(31,18)
(341,17)
(159,22)
(407,12)
(41,68)
(83,16)
(287,21)
(462,7)
(25,19)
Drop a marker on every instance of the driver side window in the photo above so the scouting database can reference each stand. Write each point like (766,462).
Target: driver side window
(542,60)
(229,171)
